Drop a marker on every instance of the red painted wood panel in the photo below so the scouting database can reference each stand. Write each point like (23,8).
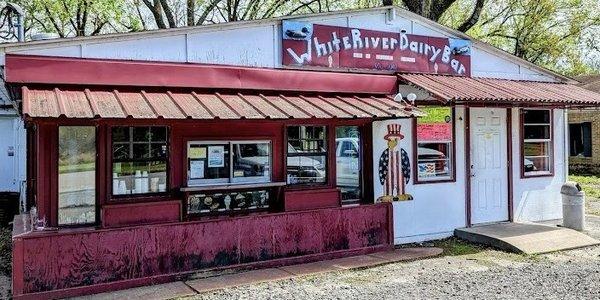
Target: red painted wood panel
(119,215)
(28,69)
(312,199)
(95,257)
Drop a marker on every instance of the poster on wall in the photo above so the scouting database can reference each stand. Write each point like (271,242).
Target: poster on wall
(216,156)
(307,44)
(394,167)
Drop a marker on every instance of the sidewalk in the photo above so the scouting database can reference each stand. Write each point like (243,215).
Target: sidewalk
(200,285)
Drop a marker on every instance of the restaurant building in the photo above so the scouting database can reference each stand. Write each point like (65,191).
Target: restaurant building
(153,155)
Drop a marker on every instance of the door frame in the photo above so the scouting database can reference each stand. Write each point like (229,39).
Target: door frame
(509,156)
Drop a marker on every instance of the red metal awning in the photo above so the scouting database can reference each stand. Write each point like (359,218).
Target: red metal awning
(54,103)
(485,90)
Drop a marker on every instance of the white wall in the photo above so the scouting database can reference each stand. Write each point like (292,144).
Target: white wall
(537,199)
(437,208)
(258,44)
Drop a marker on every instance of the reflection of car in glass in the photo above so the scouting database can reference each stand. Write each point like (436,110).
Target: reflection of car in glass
(251,159)
(347,162)
(528,165)
(304,169)
(433,156)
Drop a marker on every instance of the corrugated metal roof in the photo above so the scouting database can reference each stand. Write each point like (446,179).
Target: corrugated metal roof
(465,89)
(54,103)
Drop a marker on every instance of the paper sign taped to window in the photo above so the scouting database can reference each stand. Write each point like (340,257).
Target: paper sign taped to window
(197,152)
(197,169)
(216,156)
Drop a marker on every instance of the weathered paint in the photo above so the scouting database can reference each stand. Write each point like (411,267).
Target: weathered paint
(92,257)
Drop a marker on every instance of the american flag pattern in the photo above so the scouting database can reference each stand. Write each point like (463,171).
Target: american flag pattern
(394,171)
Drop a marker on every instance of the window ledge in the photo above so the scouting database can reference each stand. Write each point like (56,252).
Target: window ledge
(232,186)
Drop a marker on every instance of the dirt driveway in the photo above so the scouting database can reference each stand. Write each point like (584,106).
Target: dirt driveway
(487,274)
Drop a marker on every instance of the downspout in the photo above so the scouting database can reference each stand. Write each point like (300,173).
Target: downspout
(566,144)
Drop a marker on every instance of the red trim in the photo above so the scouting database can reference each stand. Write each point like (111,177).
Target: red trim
(26,69)
(416,154)
(522,144)
(510,163)
(468,166)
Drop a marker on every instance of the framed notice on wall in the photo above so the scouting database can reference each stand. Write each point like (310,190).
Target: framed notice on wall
(216,156)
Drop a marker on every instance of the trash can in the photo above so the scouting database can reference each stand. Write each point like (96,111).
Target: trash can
(573,199)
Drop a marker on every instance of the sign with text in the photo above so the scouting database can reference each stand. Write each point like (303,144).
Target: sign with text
(307,44)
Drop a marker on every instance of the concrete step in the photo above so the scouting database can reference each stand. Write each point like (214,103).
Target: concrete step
(526,238)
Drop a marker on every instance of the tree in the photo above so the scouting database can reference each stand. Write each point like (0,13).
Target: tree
(77,17)
(551,33)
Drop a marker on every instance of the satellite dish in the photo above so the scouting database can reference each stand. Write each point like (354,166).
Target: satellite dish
(398,97)
(411,97)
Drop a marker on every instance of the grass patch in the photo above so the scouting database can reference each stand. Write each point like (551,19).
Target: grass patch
(590,184)
(5,251)
(454,246)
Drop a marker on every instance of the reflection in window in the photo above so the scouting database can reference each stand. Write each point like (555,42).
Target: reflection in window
(76,175)
(139,162)
(434,144)
(348,167)
(537,141)
(228,162)
(306,154)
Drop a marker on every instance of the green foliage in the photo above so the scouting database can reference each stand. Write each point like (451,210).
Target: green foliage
(454,247)
(551,33)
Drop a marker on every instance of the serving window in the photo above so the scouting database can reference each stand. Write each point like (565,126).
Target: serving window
(306,155)
(435,145)
(225,162)
(536,143)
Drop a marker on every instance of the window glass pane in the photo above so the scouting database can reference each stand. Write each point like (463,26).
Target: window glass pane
(536,164)
(141,134)
(251,160)
(348,166)
(536,148)
(434,144)
(536,131)
(139,177)
(76,175)
(306,169)
(536,116)
(307,154)
(121,151)
(208,162)
(120,134)
(139,165)
(158,134)
(141,151)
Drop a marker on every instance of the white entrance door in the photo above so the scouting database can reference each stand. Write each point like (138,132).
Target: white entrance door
(489,165)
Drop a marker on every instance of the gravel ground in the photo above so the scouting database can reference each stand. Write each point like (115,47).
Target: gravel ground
(488,274)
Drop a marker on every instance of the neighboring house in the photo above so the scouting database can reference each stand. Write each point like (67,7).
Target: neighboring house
(155,154)
(584,133)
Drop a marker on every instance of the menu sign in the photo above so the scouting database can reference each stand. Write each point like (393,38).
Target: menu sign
(307,44)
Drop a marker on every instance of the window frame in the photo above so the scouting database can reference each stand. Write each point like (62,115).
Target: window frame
(329,172)
(231,179)
(550,141)
(580,127)
(98,188)
(142,197)
(415,156)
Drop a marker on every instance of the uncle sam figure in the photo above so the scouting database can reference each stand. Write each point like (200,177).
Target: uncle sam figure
(394,167)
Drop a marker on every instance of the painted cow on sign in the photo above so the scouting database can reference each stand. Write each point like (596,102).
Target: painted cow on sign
(394,167)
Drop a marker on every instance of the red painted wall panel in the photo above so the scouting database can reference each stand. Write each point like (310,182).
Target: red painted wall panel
(94,257)
(312,198)
(118,215)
